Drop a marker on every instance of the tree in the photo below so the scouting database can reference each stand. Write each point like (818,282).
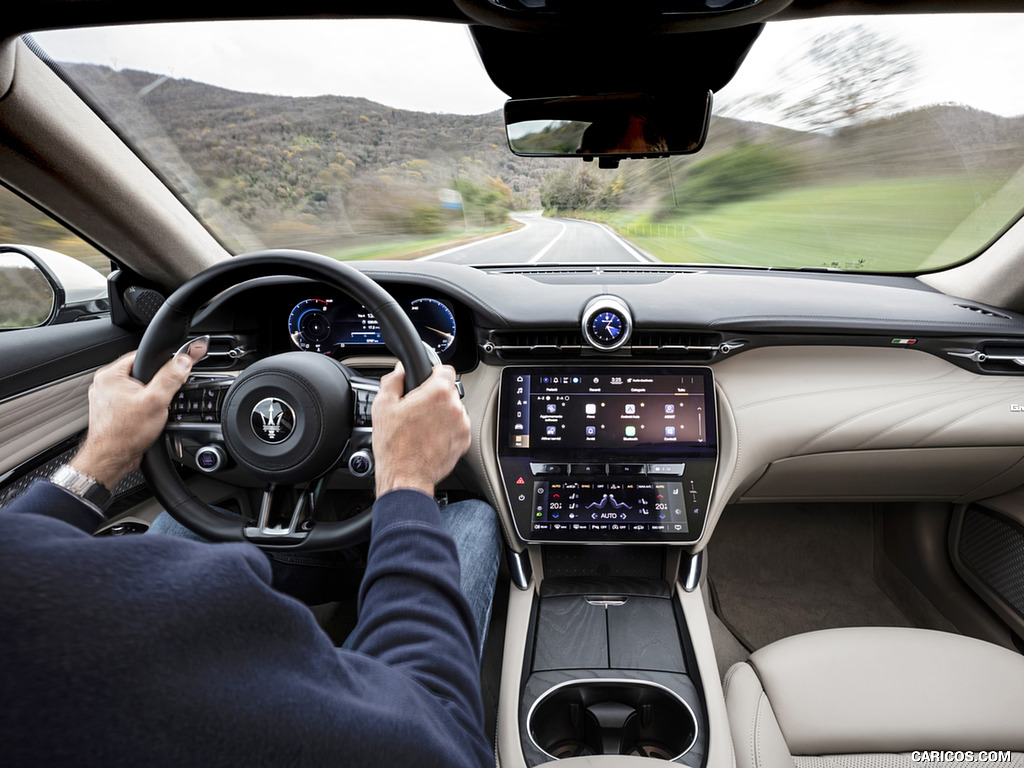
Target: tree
(861,74)
(843,77)
(579,188)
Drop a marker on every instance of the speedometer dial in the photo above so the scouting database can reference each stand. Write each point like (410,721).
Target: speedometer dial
(435,323)
(308,325)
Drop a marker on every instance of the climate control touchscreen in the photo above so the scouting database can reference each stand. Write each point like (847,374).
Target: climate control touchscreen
(591,454)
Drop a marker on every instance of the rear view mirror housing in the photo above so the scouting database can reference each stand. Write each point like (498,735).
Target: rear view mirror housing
(610,127)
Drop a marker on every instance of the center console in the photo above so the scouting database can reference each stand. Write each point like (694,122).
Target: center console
(602,454)
(610,671)
(602,660)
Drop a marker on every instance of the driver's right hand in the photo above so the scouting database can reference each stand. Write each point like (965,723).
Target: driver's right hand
(418,437)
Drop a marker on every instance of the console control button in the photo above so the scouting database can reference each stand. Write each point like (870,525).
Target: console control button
(675,470)
(627,470)
(539,468)
(589,469)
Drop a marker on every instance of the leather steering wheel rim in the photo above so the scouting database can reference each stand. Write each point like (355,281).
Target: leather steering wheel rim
(168,331)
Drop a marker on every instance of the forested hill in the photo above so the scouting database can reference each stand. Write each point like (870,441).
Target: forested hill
(337,163)
(328,170)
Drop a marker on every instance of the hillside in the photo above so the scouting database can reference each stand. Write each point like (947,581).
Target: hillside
(334,172)
(338,164)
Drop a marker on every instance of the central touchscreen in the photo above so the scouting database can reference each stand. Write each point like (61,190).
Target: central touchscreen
(616,411)
(608,454)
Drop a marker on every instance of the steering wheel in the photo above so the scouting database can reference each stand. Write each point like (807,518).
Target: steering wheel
(287,419)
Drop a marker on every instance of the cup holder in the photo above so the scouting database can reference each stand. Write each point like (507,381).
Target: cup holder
(612,717)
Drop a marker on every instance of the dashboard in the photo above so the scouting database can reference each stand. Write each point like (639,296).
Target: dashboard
(645,387)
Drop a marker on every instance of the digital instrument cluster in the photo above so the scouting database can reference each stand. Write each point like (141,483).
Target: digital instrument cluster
(599,454)
(340,326)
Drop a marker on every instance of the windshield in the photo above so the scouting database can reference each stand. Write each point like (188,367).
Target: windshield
(871,145)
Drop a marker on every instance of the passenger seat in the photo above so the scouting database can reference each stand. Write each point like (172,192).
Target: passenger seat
(877,697)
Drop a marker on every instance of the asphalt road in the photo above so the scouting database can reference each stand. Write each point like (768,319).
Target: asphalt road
(559,241)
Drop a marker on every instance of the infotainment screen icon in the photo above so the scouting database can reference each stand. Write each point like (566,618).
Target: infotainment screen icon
(612,453)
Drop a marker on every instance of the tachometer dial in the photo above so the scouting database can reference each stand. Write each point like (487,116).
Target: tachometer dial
(435,323)
(308,325)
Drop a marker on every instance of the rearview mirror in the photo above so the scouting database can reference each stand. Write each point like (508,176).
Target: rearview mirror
(608,126)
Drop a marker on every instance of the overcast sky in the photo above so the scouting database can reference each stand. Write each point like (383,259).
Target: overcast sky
(434,67)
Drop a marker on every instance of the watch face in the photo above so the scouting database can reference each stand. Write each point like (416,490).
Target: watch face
(606,327)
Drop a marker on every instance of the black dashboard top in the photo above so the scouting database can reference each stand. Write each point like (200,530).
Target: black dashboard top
(713,298)
(677,314)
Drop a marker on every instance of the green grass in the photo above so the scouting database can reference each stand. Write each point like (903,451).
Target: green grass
(886,226)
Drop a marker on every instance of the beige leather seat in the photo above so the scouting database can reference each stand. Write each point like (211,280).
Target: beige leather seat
(877,698)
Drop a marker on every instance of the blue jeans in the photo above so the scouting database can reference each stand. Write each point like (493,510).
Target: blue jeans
(472,524)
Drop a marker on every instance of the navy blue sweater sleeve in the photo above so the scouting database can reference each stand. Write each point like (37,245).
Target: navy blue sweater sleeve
(152,650)
(45,499)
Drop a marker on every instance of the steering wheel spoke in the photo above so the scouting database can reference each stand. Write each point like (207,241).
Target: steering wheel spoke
(285,516)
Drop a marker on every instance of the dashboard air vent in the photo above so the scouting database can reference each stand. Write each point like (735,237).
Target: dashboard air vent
(1000,357)
(982,311)
(515,344)
(677,345)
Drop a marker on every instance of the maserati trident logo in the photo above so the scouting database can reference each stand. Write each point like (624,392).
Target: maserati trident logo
(272,420)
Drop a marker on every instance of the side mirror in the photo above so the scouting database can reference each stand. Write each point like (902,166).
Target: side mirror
(27,297)
(42,287)
(609,127)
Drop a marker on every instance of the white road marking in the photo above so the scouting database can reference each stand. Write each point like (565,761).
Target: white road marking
(540,254)
(618,238)
(464,246)
(528,220)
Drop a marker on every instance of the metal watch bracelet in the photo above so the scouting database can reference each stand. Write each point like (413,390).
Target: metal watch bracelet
(81,485)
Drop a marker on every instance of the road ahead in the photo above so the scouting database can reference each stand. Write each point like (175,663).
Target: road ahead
(546,240)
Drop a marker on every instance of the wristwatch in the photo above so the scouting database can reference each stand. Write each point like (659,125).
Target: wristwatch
(87,488)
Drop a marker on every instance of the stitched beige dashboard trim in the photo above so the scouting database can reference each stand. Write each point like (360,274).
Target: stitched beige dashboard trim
(784,402)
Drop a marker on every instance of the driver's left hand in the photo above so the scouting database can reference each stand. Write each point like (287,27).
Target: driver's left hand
(127,416)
